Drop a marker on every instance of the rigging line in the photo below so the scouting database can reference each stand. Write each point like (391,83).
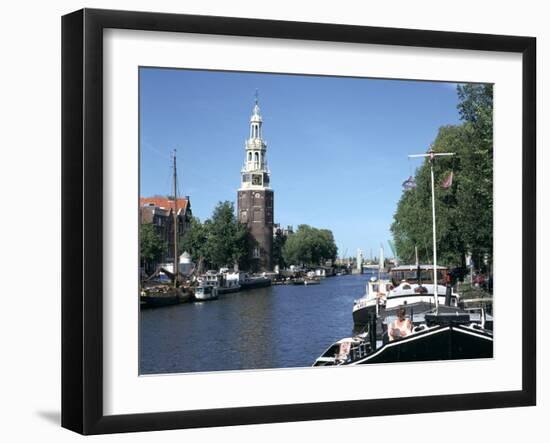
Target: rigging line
(157,151)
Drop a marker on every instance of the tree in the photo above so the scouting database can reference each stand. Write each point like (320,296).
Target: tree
(194,239)
(220,241)
(464,211)
(310,246)
(226,239)
(279,241)
(412,225)
(150,245)
(476,192)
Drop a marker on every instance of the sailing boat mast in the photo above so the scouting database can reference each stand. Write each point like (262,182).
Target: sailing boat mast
(431,154)
(175,221)
(380,263)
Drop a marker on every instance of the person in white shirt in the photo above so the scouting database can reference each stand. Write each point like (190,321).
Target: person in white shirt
(401,326)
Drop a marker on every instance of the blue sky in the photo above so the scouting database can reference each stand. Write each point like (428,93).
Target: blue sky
(337,147)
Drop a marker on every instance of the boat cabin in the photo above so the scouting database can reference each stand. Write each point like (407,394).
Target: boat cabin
(416,274)
(378,287)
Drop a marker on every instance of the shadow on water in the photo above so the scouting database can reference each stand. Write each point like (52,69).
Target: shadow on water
(276,327)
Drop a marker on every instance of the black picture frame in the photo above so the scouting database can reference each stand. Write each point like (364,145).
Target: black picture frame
(82,187)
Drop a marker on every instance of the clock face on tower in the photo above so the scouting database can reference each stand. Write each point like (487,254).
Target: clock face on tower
(257,179)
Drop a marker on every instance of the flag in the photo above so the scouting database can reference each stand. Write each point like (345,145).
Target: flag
(448,182)
(409,183)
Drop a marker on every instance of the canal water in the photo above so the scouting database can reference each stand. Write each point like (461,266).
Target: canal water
(276,327)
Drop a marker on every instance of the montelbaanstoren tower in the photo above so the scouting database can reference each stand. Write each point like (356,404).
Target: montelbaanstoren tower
(255,197)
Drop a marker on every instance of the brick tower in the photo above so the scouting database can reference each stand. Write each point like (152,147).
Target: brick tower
(255,197)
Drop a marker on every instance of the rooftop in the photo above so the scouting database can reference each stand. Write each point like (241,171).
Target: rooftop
(163,202)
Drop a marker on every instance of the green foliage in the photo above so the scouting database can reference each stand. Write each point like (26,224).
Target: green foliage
(226,239)
(150,244)
(476,191)
(278,244)
(194,239)
(309,246)
(464,212)
(220,241)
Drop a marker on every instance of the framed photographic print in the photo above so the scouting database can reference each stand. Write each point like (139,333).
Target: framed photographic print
(269,221)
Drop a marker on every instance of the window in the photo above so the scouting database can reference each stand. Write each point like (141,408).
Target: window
(250,156)
(256,252)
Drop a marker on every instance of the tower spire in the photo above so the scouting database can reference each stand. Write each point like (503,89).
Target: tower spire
(255,173)
(256,116)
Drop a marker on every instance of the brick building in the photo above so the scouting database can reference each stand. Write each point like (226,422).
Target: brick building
(159,212)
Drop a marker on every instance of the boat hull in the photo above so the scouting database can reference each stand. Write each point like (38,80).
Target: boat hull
(361,316)
(160,300)
(255,283)
(205,297)
(229,290)
(455,342)
(311,282)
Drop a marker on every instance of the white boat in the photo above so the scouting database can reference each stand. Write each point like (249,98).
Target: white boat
(420,296)
(413,287)
(226,282)
(373,300)
(375,296)
(205,292)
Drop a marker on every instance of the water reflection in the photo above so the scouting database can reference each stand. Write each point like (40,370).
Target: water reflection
(275,327)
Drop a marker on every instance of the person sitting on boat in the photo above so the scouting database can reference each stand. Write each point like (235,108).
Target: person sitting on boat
(401,326)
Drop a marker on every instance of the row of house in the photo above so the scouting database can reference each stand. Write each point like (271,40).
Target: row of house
(159,211)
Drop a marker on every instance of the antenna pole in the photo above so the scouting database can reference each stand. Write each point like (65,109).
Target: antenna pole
(175,215)
(431,155)
(436,289)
